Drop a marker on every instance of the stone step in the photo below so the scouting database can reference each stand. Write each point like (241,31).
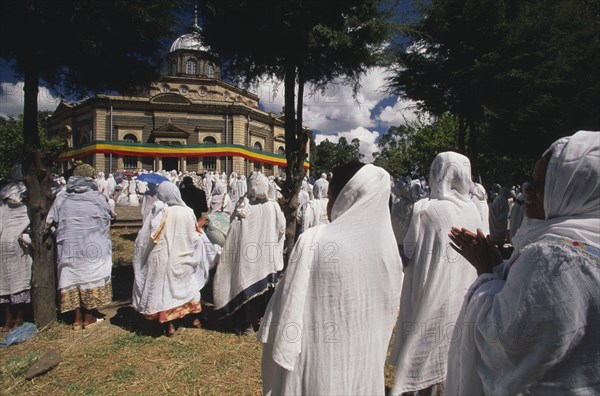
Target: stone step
(126,225)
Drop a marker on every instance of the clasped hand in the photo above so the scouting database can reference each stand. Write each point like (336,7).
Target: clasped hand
(478,249)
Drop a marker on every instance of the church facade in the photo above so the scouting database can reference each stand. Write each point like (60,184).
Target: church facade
(190,120)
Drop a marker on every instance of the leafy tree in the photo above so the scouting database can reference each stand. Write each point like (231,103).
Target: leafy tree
(309,41)
(517,75)
(409,149)
(11,143)
(81,46)
(324,158)
(328,155)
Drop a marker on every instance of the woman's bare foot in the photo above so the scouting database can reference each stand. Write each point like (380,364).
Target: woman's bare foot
(196,323)
(170,330)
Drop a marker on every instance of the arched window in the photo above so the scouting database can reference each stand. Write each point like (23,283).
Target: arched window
(209,163)
(191,67)
(173,68)
(281,150)
(257,146)
(130,162)
(210,71)
(130,137)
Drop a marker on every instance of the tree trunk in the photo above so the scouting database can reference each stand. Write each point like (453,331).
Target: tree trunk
(291,197)
(39,200)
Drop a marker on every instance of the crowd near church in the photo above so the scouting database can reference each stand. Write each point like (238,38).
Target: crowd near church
(461,284)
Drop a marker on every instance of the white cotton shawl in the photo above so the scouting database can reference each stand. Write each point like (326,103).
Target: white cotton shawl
(479,197)
(314,213)
(83,242)
(15,259)
(13,192)
(206,254)
(321,188)
(165,262)
(327,327)
(548,309)
(401,211)
(499,210)
(436,278)
(220,200)
(251,256)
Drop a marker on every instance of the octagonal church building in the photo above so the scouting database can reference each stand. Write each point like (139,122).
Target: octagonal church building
(190,120)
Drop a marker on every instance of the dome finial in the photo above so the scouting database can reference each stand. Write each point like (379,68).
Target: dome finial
(195,26)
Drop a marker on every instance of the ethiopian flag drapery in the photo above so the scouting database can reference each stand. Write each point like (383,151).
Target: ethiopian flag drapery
(176,150)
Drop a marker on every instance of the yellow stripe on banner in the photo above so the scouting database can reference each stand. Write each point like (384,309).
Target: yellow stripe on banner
(149,150)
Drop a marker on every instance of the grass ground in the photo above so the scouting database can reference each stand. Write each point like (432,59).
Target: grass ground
(123,356)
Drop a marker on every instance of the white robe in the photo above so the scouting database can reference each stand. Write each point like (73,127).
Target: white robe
(83,242)
(251,256)
(328,325)
(15,259)
(314,213)
(436,278)
(165,262)
(538,325)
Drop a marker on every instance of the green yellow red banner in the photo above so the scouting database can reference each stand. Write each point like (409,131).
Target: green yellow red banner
(183,150)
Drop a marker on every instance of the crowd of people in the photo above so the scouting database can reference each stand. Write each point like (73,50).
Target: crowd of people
(419,265)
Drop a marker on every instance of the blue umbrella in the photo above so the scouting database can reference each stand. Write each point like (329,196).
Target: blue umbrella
(152,178)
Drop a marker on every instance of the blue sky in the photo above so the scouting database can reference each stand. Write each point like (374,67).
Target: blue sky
(332,114)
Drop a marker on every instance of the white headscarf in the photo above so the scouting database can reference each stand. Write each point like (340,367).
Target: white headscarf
(571,193)
(13,192)
(450,177)
(258,187)
(169,194)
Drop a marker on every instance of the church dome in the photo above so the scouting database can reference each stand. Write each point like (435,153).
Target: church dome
(190,41)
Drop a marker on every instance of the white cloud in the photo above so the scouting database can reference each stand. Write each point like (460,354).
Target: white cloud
(335,109)
(12,99)
(402,112)
(367,140)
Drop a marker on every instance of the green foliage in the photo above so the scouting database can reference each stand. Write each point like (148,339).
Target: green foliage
(328,155)
(11,144)
(409,149)
(520,74)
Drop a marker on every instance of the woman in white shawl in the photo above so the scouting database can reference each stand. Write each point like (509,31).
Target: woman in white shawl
(166,286)
(533,320)
(480,198)
(499,210)
(436,278)
(401,214)
(314,212)
(517,212)
(232,189)
(220,200)
(252,257)
(15,255)
(328,325)
(242,186)
(83,249)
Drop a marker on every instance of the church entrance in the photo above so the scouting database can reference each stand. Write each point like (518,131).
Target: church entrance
(170,163)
